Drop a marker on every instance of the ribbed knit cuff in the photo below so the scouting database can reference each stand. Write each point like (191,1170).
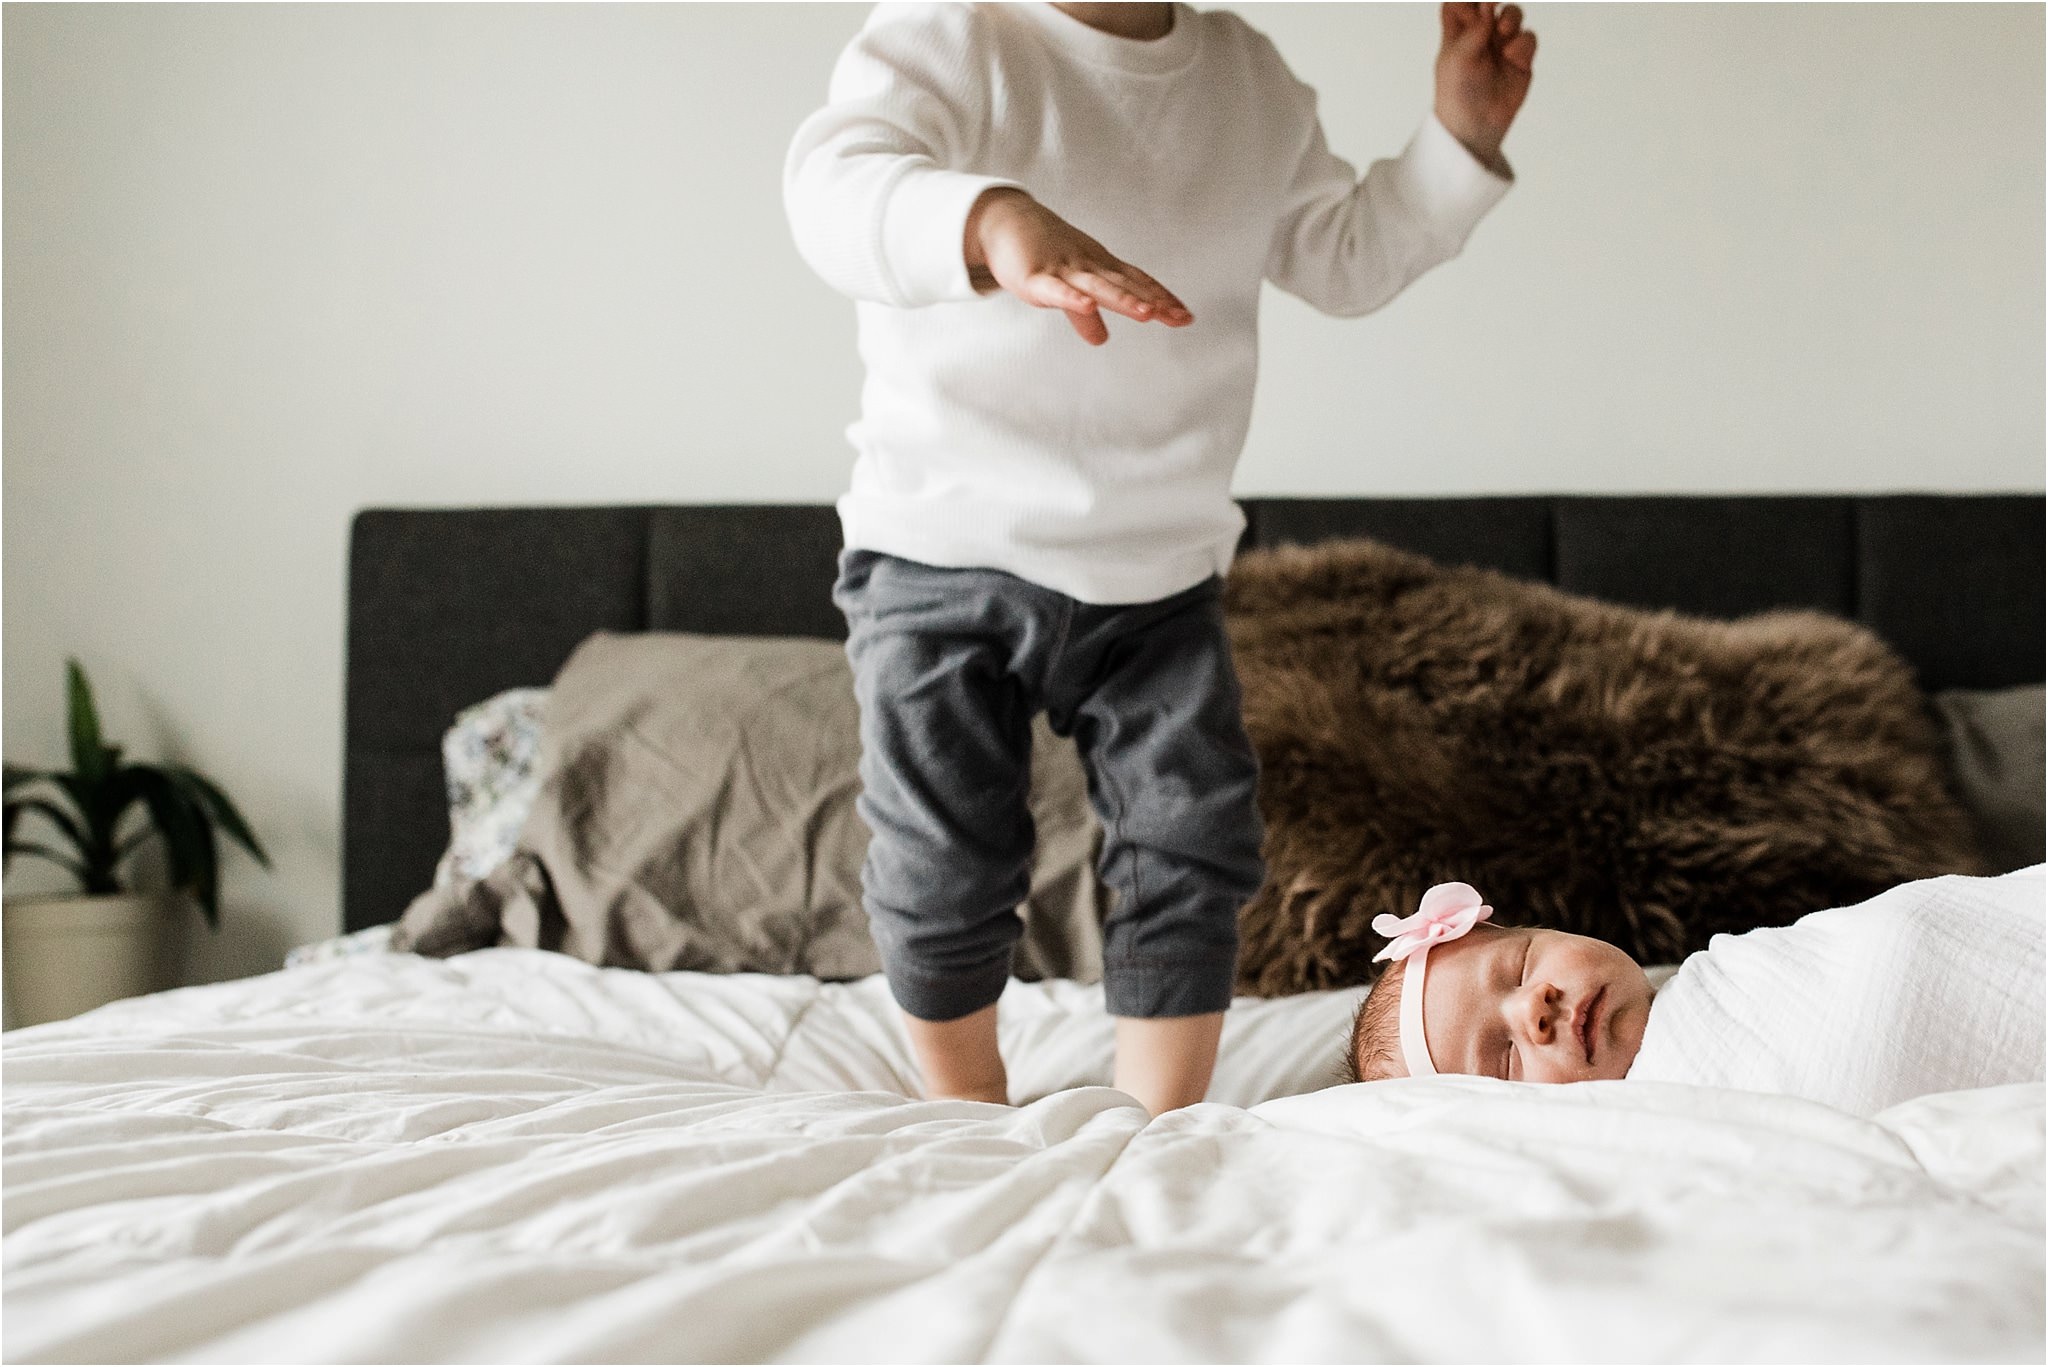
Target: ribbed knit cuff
(947,995)
(1151,988)
(1439,175)
(924,227)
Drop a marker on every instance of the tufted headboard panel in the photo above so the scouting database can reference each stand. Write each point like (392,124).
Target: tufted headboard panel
(448,606)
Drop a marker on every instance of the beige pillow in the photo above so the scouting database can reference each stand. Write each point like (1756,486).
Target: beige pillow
(696,811)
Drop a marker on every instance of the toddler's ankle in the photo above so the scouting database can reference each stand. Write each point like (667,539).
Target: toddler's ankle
(994,1097)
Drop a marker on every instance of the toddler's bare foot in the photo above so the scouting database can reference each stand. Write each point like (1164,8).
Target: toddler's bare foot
(997,1098)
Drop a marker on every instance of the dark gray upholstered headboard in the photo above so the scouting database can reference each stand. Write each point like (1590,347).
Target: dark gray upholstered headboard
(449,606)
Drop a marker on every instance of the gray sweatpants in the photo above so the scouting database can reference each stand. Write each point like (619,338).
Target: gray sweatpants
(950,666)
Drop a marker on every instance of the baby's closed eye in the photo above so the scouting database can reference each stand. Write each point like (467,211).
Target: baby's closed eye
(1511,1053)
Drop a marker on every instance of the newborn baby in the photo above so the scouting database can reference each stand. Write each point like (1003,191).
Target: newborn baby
(1523,1005)
(1931,986)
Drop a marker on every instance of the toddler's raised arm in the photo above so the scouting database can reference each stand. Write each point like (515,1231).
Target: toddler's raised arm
(1347,245)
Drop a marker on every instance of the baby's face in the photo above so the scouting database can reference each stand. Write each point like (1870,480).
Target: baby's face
(1533,1006)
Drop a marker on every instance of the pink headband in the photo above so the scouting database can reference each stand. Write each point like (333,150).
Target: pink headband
(1448,911)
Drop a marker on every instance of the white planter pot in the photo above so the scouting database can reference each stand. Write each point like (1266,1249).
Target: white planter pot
(65,955)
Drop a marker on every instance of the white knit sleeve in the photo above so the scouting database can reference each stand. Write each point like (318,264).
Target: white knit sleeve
(876,184)
(1347,245)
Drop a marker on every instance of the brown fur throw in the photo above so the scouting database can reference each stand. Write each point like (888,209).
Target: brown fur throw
(1644,777)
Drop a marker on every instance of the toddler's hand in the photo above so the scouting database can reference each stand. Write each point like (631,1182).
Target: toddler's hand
(1017,243)
(1482,74)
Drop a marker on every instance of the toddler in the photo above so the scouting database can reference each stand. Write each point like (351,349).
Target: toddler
(1036,525)
(1932,986)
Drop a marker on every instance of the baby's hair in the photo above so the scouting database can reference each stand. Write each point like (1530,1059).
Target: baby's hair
(1374,1050)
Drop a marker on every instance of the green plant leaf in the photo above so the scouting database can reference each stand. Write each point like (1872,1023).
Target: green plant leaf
(88,752)
(101,804)
(57,816)
(188,837)
(215,803)
(19,774)
(123,789)
(41,851)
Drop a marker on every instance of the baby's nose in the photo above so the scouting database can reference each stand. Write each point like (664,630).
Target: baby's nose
(1540,1011)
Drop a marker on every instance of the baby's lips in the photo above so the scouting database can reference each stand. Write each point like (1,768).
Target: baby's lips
(1593,1026)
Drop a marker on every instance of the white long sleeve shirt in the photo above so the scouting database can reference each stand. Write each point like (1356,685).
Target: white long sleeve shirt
(990,434)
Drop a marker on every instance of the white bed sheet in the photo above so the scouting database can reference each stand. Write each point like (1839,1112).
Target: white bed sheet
(512,1156)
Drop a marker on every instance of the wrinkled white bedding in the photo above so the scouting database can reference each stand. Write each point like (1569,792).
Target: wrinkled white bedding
(512,1156)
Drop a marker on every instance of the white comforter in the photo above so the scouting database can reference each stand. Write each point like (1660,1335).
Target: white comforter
(512,1156)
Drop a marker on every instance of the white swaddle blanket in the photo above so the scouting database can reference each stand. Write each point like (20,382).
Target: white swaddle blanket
(1928,987)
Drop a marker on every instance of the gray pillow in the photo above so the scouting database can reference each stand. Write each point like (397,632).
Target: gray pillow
(696,811)
(1994,742)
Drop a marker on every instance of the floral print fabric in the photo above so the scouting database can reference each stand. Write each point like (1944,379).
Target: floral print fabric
(491,756)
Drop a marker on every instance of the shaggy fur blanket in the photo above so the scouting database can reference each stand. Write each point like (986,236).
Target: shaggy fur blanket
(1645,777)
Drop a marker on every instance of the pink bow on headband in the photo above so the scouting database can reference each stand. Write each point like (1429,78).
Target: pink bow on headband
(1448,911)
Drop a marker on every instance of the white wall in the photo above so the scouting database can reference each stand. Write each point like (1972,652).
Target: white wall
(268,265)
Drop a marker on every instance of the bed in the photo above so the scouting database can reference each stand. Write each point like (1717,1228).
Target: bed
(512,1155)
